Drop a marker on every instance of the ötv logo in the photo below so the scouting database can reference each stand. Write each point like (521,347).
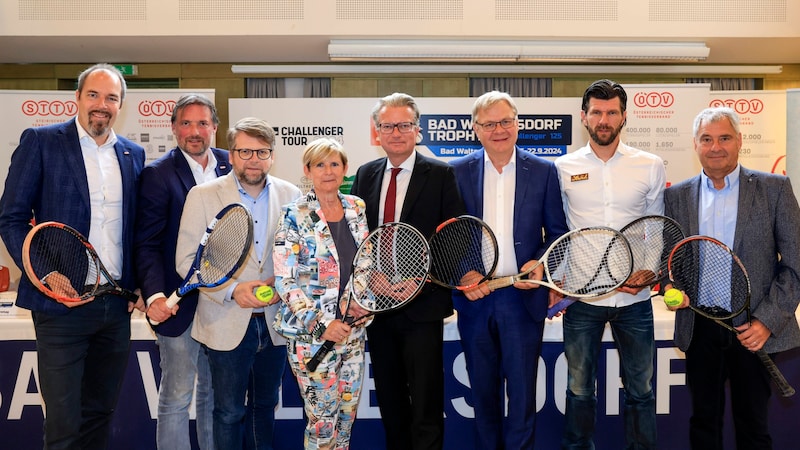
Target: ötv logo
(156,107)
(653,99)
(49,108)
(741,106)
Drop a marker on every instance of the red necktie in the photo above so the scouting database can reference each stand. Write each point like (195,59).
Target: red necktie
(391,193)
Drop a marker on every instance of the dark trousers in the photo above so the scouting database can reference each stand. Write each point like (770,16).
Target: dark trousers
(408,371)
(714,356)
(82,358)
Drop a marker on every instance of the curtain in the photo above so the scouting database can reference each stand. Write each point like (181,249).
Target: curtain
(317,88)
(265,88)
(515,87)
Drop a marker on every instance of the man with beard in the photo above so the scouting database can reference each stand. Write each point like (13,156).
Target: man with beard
(607,183)
(163,188)
(247,356)
(82,174)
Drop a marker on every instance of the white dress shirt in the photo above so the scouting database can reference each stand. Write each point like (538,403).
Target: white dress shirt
(498,211)
(403,180)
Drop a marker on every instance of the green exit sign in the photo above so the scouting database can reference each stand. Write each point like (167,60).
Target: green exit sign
(128,70)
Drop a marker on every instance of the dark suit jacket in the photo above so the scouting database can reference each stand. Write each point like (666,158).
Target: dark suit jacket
(162,192)
(768,225)
(537,207)
(47,182)
(432,198)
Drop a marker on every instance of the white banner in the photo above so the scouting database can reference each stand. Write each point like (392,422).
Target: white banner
(144,118)
(762,116)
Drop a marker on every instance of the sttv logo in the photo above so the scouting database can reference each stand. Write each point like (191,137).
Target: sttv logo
(46,108)
(156,107)
(741,105)
(654,99)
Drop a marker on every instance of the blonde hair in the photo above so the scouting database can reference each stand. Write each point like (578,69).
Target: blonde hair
(321,148)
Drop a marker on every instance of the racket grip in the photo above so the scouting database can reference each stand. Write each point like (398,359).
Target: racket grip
(171,301)
(786,389)
(560,306)
(323,351)
(499,283)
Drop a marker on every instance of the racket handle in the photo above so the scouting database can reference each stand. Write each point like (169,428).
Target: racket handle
(499,283)
(323,351)
(171,301)
(786,389)
(560,306)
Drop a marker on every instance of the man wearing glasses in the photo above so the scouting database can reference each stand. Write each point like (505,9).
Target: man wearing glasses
(406,345)
(247,357)
(517,194)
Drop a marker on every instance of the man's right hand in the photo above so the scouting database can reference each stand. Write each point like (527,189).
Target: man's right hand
(158,310)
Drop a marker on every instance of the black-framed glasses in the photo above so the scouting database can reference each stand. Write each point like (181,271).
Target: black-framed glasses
(403,127)
(247,153)
(491,126)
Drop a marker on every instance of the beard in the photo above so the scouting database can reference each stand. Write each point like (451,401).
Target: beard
(251,180)
(98,126)
(594,134)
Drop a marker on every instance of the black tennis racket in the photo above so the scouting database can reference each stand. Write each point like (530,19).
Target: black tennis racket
(222,251)
(63,265)
(463,253)
(652,239)
(582,263)
(718,287)
(389,269)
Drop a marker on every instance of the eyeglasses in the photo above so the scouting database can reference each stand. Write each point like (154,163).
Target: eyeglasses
(247,153)
(491,126)
(388,128)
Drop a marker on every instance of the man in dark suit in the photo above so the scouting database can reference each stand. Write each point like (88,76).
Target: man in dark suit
(162,193)
(82,174)
(760,222)
(517,194)
(406,346)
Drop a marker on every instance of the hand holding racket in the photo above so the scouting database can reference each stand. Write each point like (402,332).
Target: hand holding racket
(389,269)
(718,287)
(62,264)
(651,239)
(222,251)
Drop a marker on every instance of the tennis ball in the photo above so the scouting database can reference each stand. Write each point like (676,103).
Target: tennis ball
(673,297)
(264,293)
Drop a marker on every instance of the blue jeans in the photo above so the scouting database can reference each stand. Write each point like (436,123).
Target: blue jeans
(246,382)
(632,328)
(183,359)
(82,357)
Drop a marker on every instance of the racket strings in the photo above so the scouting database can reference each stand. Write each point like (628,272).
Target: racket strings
(714,280)
(390,267)
(651,240)
(227,242)
(462,247)
(589,262)
(62,262)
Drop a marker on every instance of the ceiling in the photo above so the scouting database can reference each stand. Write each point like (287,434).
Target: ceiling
(294,49)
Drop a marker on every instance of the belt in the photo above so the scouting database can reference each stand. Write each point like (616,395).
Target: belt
(257,314)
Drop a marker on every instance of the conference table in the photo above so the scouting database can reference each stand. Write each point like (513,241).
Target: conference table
(134,422)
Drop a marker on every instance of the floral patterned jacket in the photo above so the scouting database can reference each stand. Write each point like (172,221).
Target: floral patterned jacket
(307,264)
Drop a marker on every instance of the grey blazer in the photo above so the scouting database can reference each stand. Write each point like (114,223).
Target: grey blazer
(218,323)
(767,240)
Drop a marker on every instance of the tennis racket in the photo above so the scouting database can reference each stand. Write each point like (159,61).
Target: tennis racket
(389,269)
(651,238)
(222,251)
(63,265)
(582,263)
(463,253)
(718,287)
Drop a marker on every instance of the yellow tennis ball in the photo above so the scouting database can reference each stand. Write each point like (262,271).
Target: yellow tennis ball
(264,293)
(673,297)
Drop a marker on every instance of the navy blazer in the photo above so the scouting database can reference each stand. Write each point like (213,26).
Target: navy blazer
(162,192)
(432,198)
(766,240)
(537,208)
(47,182)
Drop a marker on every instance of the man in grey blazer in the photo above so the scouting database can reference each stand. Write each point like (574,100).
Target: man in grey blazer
(757,215)
(243,349)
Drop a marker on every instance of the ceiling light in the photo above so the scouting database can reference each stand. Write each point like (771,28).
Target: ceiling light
(499,51)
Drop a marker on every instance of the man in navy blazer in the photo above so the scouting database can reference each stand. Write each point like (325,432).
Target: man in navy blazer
(84,175)
(518,195)
(162,192)
(760,223)
(406,346)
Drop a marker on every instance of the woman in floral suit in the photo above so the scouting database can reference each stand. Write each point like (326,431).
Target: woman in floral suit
(314,247)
